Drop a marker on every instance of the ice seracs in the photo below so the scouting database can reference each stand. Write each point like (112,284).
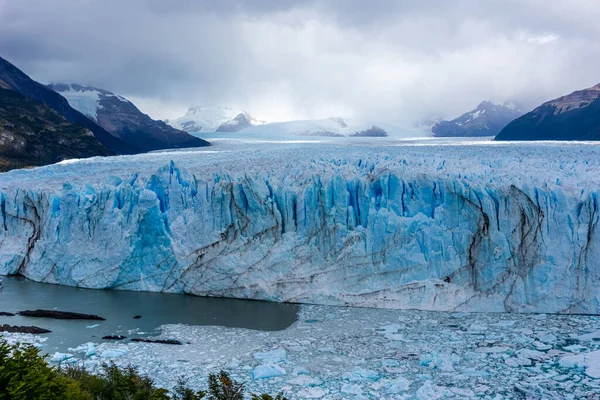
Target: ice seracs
(464,227)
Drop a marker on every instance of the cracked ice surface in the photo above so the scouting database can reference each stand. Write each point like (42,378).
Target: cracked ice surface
(354,353)
(465,227)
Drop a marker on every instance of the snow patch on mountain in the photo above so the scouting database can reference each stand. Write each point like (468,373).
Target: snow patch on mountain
(209,119)
(84,99)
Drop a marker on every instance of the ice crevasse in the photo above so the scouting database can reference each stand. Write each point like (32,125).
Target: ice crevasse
(374,230)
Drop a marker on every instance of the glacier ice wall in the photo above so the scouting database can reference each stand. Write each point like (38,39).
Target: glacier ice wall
(362,233)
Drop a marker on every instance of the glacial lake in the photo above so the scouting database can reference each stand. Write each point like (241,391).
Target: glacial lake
(119,308)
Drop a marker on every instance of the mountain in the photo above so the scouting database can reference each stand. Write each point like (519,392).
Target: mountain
(211,119)
(331,127)
(124,120)
(32,134)
(13,78)
(487,119)
(572,117)
(242,121)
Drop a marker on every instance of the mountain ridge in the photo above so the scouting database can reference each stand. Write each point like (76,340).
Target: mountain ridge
(575,116)
(487,119)
(14,79)
(122,119)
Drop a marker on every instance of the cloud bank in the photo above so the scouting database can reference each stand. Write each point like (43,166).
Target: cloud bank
(389,60)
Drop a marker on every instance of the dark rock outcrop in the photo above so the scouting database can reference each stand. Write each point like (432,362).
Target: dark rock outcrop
(159,341)
(114,337)
(375,131)
(6,314)
(23,329)
(572,117)
(59,315)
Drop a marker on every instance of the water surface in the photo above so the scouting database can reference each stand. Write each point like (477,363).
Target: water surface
(119,308)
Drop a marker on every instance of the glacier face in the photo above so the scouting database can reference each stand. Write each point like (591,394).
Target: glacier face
(471,227)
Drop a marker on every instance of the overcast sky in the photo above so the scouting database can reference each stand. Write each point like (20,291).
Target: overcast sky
(388,60)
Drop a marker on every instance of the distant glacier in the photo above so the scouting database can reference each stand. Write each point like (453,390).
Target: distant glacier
(467,227)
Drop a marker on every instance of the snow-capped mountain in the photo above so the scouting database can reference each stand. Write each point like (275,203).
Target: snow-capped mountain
(123,119)
(32,134)
(331,127)
(487,119)
(240,122)
(12,78)
(572,117)
(214,119)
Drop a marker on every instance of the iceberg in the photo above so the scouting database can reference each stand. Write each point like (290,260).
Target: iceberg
(469,227)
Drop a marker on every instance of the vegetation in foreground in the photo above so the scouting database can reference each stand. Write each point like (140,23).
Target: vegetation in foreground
(25,375)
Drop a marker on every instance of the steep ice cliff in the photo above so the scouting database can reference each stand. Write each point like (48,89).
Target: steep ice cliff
(472,227)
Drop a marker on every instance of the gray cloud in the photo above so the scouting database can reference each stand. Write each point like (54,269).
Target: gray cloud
(392,60)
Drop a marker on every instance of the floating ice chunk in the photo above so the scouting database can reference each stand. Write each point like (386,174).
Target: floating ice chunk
(272,356)
(398,385)
(517,362)
(547,338)
(349,388)
(429,391)
(89,349)
(264,371)
(542,346)
(360,374)
(574,348)
(589,362)
(477,327)
(305,380)
(114,353)
(392,328)
(442,362)
(492,349)
(532,354)
(60,357)
(505,324)
(589,336)
(312,393)
(93,326)
(462,393)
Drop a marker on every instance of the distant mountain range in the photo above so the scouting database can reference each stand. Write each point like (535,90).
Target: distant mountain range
(487,119)
(328,127)
(122,119)
(214,119)
(572,117)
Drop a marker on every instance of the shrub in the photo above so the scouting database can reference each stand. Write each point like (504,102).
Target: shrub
(25,375)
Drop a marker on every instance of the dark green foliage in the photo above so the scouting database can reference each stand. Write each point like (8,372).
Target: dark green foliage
(268,397)
(116,383)
(25,375)
(222,387)
(182,392)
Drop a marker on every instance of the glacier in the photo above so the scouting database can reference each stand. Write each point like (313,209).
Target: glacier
(461,226)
